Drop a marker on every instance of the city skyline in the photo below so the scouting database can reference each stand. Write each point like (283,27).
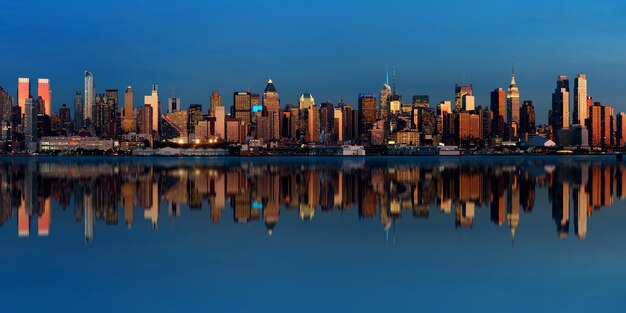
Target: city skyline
(427,61)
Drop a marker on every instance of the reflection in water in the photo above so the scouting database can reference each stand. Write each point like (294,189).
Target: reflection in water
(257,190)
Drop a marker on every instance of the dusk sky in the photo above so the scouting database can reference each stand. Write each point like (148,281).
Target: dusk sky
(329,48)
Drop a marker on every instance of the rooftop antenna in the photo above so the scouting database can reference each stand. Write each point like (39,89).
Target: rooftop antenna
(173,92)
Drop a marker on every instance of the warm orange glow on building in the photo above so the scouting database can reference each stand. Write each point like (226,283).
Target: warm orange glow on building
(43,91)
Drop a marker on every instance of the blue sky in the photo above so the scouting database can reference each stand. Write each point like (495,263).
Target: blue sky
(329,48)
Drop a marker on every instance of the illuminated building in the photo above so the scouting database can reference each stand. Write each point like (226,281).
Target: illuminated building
(600,125)
(78,111)
(175,127)
(581,113)
(43,91)
(459,92)
(242,106)
(367,113)
(216,101)
(467,103)
(560,106)
(89,97)
(173,105)
(195,115)
(306,101)
(313,124)
(128,122)
(153,101)
(338,125)
(6,106)
(146,119)
(513,102)
(23,92)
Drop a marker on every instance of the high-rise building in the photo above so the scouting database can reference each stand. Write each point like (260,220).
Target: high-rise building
(43,91)
(220,121)
(367,113)
(78,111)
(23,92)
(128,123)
(512,102)
(306,101)
(153,101)
(560,106)
(216,101)
(468,103)
(459,92)
(385,99)
(271,100)
(444,107)
(621,129)
(421,101)
(600,125)
(195,115)
(326,119)
(6,106)
(242,106)
(498,107)
(338,125)
(313,124)
(581,113)
(30,123)
(173,105)
(527,118)
(146,119)
(90,97)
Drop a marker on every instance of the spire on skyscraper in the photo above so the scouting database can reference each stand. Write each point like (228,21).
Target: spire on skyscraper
(270,86)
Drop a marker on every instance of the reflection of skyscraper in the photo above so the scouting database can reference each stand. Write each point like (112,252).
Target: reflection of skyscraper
(43,221)
(89,215)
(560,208)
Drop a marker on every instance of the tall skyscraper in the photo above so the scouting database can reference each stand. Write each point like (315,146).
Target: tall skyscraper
(527,118)
(6,106)
(242,106)
(78,111)
(621,129)
(216,101)
(385,98)
(468,103)
(23,92)
(173,105)
(498,107)
(512,102)
(560,105)
(30,123)
(128,122)
(306,101)
(90,97)
(459,92)
(220,122)
(367,113)
(581,113)
(153,101)
(43,91)
(271,100)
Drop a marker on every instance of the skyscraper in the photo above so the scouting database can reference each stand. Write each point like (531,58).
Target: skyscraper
(90,97)
(153,101)
(581,113)
(6,106)
(43,91)
(128,123)
(216,101)
(560,105)
(498,107)
(305,101)
(23,92)
(242,106)
(527,118)
(367,113)
(512,102)
(459,92)
(30,123)
(385,98)
(271,100)
(78,111)
(173,105)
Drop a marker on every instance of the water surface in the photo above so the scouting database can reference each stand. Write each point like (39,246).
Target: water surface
(297,234)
